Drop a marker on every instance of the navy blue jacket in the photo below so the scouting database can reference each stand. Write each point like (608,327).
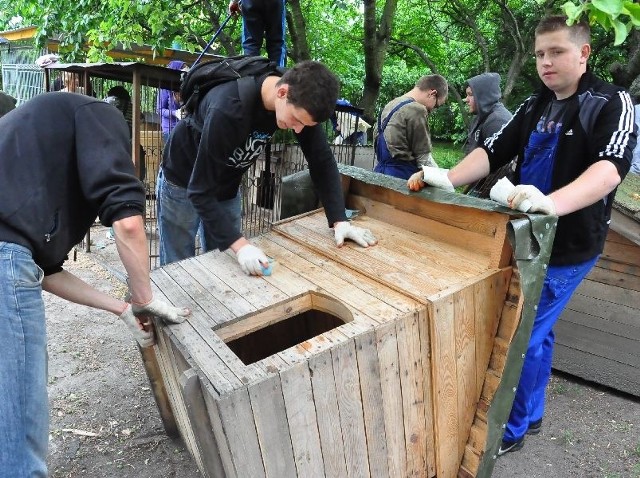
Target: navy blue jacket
(597,125)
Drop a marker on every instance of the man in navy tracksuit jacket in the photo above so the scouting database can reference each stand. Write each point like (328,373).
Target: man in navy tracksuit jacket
(574,141)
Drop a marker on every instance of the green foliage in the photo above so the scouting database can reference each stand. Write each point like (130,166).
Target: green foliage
(617,15)
(455,38)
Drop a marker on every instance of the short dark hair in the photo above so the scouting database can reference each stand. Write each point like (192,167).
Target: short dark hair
(579,32)
(119,92)
(313,87)
(433,82)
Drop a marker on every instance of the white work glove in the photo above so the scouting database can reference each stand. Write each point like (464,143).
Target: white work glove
(179,114)
(344,230)
(159,308)
(144,338)
(539,201)
(252,260)
(437,177)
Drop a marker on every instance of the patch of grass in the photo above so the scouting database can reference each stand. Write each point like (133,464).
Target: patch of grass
(567,437)
(636,451)
(447,155)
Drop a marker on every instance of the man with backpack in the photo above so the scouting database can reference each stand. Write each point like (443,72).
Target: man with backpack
(403,142)
(224,134)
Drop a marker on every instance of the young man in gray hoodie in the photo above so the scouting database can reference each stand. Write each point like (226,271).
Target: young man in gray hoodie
(483,100)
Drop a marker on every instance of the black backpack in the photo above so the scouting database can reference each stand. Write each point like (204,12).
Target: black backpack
(204,76)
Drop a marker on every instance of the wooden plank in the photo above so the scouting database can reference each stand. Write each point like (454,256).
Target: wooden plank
(612,312)
(611,327)
(364,306)
(372,404)
(211,401)
(615,278)
(616,237)
(413,403)
(387,344)
(428,394)
(601,344)
(215,311)
(192,395)
(461,217)
(239,431)
(172,372)
(619,376)
(445,386)
(512,309)
(326,404)
(303,422)
(608,264)
(393,298)
(484,245)
(624,253)
(402,274)
(467,339)
(267,404)
(489,298)
(437,256)
(155,374)
(232,304)
(347,380)
(217,372)
(613,294)
(255,290)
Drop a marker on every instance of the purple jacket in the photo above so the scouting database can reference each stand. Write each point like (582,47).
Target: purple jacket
(167,104)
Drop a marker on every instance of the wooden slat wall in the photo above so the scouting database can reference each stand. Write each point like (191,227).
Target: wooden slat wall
(598,334)
(465,322)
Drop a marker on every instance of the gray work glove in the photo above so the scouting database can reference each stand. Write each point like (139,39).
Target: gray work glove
(159,308)
(252,260)
(144,338)
(344,230)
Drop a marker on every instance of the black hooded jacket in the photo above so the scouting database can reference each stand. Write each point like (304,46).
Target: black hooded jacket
(65,159)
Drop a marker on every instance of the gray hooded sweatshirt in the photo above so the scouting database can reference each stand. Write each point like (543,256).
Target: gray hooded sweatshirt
(490,112)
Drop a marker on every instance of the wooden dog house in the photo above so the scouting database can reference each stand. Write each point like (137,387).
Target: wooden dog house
(392,361)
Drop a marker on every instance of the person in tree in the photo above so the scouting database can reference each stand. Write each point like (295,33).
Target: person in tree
(262,21)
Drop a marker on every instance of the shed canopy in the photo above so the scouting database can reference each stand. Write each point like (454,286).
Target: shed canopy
(159,76)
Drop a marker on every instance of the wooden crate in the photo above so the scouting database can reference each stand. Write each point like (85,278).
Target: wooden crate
(380,362)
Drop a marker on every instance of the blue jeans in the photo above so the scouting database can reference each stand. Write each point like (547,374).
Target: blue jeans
(264,20)
(178,222)
(24,406)
(528,405)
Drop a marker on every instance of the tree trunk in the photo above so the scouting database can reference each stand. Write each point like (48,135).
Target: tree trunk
(297,32)
(376,42)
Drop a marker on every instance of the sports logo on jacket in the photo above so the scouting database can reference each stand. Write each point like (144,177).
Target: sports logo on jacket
(244,156)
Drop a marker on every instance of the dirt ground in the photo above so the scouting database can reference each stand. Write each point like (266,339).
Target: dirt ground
(104,421)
